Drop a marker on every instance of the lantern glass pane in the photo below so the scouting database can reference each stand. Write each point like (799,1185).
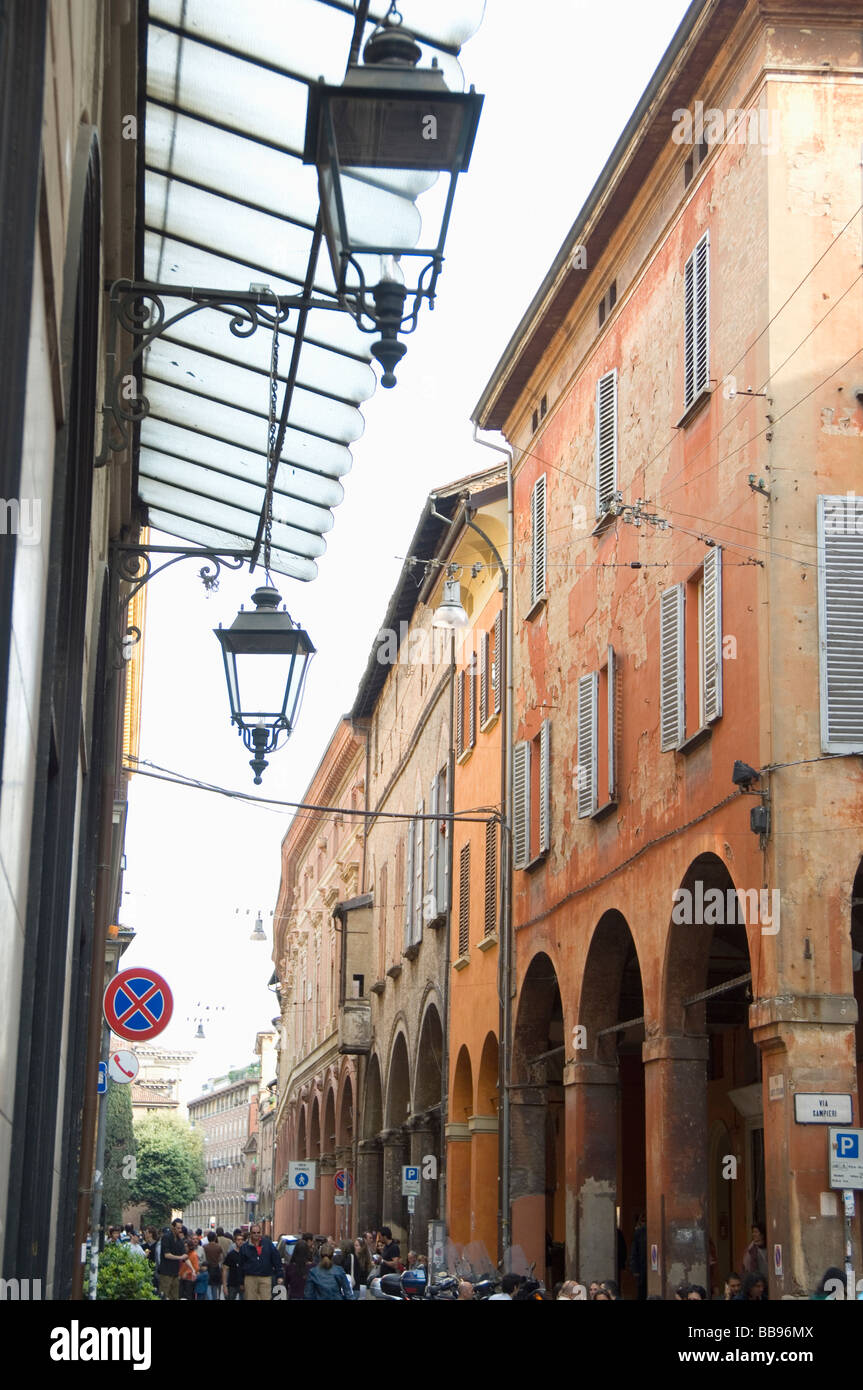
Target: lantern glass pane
(262,680)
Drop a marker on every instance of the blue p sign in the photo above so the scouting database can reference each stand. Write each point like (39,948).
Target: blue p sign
(412,1174)
(847,1146)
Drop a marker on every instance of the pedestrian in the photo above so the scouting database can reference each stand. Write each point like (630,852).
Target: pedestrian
(213,1258)
(697,1293)
(357,1264)
(571,1292)
(465,1291)
(592,1289)
(171,1255)
(135,1246)
(508,1286)
(298,1268)
(611,1288)
(189,1271)
(732,1288)
(755,1258)
(754,1289)
(225,1241)
(389,1251)
(232,1275)
(260,1264)
(327,1281)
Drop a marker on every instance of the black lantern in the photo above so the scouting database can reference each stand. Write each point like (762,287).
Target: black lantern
(266,658)
(379,141)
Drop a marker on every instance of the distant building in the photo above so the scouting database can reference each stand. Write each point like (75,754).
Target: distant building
(158,1085)
(222,1115)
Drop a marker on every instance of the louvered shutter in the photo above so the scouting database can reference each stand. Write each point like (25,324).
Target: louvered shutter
(471,700)
(459,714)
(545,787)
(588,690)
(711,655)
(840,615)
(497,667)
(606,439)
(537,518)
(434,850)
(464,901)
(483,677)
(696,350)
(612,726)
(409,885)
(490,877)
(671,689)
(419,865)
(521,805)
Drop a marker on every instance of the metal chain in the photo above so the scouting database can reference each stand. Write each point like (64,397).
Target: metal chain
(271,450)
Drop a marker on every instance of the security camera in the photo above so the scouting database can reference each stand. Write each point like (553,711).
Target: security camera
(744,775)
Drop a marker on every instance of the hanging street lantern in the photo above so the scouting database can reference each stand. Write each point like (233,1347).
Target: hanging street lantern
(450,613)
(259,934)
(266,659)
(379,141)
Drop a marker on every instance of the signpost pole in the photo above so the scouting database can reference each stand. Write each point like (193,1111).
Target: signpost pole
(98,1176)
(848,1200)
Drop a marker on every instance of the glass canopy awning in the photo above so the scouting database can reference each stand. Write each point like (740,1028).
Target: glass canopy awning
(228,204)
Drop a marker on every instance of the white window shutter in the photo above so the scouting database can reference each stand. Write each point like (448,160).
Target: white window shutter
(409,885)
(434,846)
(470,690)
(606,440)
(537,517)
(497,668)
(588,689)
(711,655)
(521,805)
(612,726)
(840,622)
(483,677)
(696,350)
(545,787)
(671,689)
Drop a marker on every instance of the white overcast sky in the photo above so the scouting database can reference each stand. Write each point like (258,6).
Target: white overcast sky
(560,78)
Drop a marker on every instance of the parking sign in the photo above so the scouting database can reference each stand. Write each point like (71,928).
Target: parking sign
(846,1157)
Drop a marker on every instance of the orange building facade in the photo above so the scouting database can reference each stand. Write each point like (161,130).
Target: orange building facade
(683,398)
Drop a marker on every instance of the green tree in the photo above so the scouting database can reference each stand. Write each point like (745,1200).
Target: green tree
(170,1164)
(124,1275)
(120,1158)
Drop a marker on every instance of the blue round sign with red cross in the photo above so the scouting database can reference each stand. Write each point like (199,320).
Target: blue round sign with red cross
(138,1004)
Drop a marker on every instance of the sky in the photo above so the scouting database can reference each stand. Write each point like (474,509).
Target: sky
(561,79)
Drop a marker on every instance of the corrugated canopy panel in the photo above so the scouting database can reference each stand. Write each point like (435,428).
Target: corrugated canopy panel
(229,203)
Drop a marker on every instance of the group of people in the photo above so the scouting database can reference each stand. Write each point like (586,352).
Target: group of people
(249,1266)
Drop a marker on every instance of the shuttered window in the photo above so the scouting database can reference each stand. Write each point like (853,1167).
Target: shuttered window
(840,622)
(587,743)
(497,664)
(459,713)
(436,903)
(419,865)
(711,632)
(521,805)
(464,901)
(538,536)
(611,724)
(545,787)
(409,884)
(606,440)
(671,691)
(470,693)
(484,684)
(490,877)
(696,348)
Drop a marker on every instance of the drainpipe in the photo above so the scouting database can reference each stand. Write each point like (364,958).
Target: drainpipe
(505,951)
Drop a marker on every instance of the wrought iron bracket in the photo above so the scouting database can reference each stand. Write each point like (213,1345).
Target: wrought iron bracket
(138,309)
(134,565)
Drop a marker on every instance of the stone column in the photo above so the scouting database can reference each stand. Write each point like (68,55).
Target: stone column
(591,1100)
(484,1183)
(369,1185)
(675,1094)
(326,1174)
(458,1179)
(808,1045)
(395,1205)
(423,1142)
(344,1214)
(527,1172)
